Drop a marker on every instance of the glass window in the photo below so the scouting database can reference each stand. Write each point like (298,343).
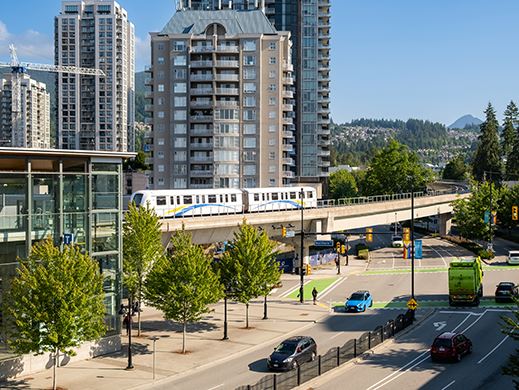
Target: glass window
(249,115)
(211,199)
(161,200)
(160,88)
(273,128)
(105,191)
(249,170)
(160,60)
(180,115)
(272,114)
(179,87)
(249,87)
(272,45)
(104,232)
(188,199)
(249,128)
(249,60)
(272,60)
(249,45)
(249,142)
(180,128)
(179,60)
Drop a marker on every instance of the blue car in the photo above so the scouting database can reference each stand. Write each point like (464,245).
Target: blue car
(359,301)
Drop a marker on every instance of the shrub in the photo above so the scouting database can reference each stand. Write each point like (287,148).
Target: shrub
(486,254)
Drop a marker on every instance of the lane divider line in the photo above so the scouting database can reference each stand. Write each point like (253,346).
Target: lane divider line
(331,286)
(496,347)
(286,294)
(449,385)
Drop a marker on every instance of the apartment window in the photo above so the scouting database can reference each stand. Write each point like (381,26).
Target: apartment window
(272,60)
(161,168)
(249,87)
(179,183)
(179,87)
(180,115)
(226,128)
(161,101)
(160,46)
(180,142)
(180,74)
(179,46)
(249,45)
(179,155)
(249,73)
(272,169)
(249,170)
(272,74)
(160,88)
(272,142)
(180,169)
(249,128)
(272,101)
(273,128)
(160,181)
(180,128)
(160,141)
(160,114)
(272,155)
(160,60)
(272,87)
(249,155)
(272,182)
(249,142)
(160,127)
(180,101)
(160,155)
(249,182)
(272,114)
(249,115)
(272,45)
(249,60)
(249,101)
(179,60)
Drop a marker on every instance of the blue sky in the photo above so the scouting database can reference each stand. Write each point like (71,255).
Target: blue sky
(426,59)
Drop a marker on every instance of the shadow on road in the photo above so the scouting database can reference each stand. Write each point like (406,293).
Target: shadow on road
(259,366)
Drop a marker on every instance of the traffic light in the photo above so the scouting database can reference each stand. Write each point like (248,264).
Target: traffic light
(407,234)
(515,213)
(338,246)
(369,234)
(343,249)
(283,231)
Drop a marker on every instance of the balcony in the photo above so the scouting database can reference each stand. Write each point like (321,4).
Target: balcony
(202,49)
(288,161)
(148,81)
(201,118)
(287,94)
(201,77)
(201,91)
(201,103)
(288,80)
(287,107)
(288,67)
(227,77)
(198,131)
(201,173)
(287,121)
(323,153)
(227,64)
(201,145)
(228,49)
(148,160)
(287,147)
(324,163)
(148,121)
(288,174)
(227,91)
(227,103)
(287,134)
(201,64)
(202,159)
(148,107)
(148,94)
(323,120)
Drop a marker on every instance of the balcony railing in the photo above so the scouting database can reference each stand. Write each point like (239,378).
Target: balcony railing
(201,118)
(287,107)
(227,77)
(229,49)
(227,91)
(227,64)
(201,103)
(227,103)
(201,145)
(201,64)
(201,77)
(201,91)
(202,49)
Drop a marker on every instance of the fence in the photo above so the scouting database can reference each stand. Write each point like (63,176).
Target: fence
(333,358)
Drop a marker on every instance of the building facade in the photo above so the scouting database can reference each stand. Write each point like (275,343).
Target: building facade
(95,112)
(32,130)
(308,21)
(222,102)
(67,195)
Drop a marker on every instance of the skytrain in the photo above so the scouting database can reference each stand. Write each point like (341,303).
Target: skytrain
(187,203)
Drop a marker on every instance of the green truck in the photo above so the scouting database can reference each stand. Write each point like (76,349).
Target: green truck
(465,281)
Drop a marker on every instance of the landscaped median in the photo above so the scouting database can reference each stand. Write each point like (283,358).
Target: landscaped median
(407,270)
(427,304)
(319,284)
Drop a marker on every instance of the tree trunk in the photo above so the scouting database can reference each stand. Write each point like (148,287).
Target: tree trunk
(54,369)
(139,293)
(184,338)
(247,315)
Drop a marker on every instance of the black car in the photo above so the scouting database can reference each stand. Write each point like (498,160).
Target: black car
(506,292)
(292,352)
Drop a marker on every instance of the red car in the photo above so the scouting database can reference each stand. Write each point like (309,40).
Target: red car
(450,345)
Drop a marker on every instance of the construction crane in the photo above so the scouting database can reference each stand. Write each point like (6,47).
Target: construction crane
(17,70)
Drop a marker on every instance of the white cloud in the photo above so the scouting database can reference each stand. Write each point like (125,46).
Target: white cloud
(142,53)
(31,46)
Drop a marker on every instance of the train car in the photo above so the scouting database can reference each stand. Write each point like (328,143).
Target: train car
(278,198)
(180,203)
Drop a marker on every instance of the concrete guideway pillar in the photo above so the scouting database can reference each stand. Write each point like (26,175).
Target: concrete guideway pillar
(445,222)
(306,253)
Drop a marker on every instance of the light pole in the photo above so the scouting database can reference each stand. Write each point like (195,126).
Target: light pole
(225,337)
(154,338)
(412,244)
(265,317)
(301,275)
(127,310)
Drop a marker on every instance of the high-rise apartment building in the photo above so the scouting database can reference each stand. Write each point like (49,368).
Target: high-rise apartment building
(95,113)
(32,129)
(222,101)
(309,24)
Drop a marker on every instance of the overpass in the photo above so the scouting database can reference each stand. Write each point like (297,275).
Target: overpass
(329,216)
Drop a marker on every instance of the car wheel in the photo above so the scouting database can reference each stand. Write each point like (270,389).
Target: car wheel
(371,304)
(312,357)
(458,357)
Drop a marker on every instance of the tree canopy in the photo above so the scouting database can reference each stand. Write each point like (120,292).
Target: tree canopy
(342,184)
(488,156)
(456,169)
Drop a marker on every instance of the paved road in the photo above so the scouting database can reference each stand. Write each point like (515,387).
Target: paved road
(405,363)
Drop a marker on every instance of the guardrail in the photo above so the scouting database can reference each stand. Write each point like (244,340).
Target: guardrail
(334,357)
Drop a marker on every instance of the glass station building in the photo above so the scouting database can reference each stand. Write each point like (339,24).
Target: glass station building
(72,196)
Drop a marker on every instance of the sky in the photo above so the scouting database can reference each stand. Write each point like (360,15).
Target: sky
(394,59)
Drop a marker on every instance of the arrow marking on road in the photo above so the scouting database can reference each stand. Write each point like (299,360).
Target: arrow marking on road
(440,325)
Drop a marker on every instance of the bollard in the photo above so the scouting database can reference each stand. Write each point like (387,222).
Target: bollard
(338,356)
(382,334)
(298,375)
(354,347)
(369,340)
(319,366)
(274,381)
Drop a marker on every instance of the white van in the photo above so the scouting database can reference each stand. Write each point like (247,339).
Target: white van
(513,257)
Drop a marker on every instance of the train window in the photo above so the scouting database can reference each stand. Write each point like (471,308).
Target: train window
(188,199)
(226,198)
(275,196)
(211,199)
(178,199)
(197,198)
(256,197)
(161,200)
(221,198)
(293,195)
(264,196)
(233,197)
(172,200)
(309,194)
(282,195)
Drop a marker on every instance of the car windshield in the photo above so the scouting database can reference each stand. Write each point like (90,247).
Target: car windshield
(397,238)
(357,297)
(442,343)
(286,348)
(503,287)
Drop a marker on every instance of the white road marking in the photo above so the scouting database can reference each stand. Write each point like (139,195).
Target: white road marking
(471,325)
(216,387)
(440,325)
(439,254)
(294,289)
(496,347)
(449,385)
(273,291)
(392,255)
(331,287)
(337,335)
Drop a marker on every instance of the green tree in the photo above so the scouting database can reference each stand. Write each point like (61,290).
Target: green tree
(456,169)
(55,302)
(249,268)
(509,129)
(469,213)
(509,197)
(342,185)
(138,163)
(183,284)
(510,327)
(394,169)
(487,158)
(142,246)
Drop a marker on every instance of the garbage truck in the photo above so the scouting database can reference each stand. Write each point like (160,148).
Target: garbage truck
(465,281)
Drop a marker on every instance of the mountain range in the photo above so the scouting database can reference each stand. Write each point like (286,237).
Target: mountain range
(465,121)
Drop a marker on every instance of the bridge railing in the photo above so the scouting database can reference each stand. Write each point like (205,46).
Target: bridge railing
(328,203)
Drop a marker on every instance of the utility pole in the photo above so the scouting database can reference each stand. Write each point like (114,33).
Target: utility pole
(412,244)
(301,257)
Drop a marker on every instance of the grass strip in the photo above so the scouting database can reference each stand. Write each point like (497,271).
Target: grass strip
(319,284)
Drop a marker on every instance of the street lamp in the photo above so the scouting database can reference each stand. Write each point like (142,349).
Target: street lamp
(225,337)
(412,244)
(127,311)
(154,339)
(302,278)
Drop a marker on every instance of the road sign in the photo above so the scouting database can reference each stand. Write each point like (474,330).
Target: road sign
(412,304)
(486,216)
(323,243)
(68,238)
(417,249)
(290,233)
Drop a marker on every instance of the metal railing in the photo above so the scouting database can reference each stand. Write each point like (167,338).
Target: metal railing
(333,358)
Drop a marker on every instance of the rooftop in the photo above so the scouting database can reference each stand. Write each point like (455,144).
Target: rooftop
(29,152)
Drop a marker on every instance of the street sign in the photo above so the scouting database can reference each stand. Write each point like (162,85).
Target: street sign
(323,243)
(417,249)
(290,233)
(68,238)
(412,304)
(486,217)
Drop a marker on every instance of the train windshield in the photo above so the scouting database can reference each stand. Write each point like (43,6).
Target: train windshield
(137,199)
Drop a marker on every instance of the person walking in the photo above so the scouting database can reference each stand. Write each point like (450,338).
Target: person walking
(314,295)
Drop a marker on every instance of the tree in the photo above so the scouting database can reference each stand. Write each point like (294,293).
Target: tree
(509,129)
(248,269)
(342,185)
(394,169)
(456,169)
(509,197)
(487,158)
(182,284)
(56,301)
(142,239)
(510,328)
(136,164)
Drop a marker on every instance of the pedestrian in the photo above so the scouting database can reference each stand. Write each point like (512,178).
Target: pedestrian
(314,295)
(337,262)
